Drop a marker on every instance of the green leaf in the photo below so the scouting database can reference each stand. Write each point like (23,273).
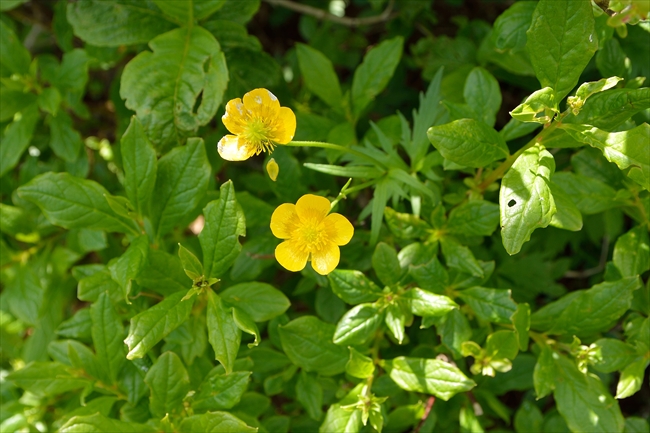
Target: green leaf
(632,252)
(358,324)
(379,200)
(71,202)
(169,384)
(353,171)
(502,345)
(246,324)
(460,257)
(188,70)
(260,301)
(265,74)
(16,137)
(318,73)
(468,142)
(589,195)
(631,378)
(510,27)
(132,22)
(431,276)
(78,326)
(223,333)
(353,286)
(545,317)
(491,305)
(140,166)
(338,419)
(636,424)
(10,4)
(183,176)
(561,41)
(525,198)
(611,108)
(483,94)
(612,355)
(99,423)
(567,217)
(626,149)
(25,295)
(215,422)
(221,391)
(194,9)
(584,402)
(521,322)
(90,287)
(359,365)
(423,303)
(45,379)
(396,317)
(405,225)
(163,274)
(611,59)
(307,341)
(152,325)
(430,112)
(15,101)
(473,218)
(310,394)
(65,141)
(190,263)
(128,266)
(539,107)
(372,76)
(591,88)
(15,58)
(528,418)
(224,223)
(108,336)
(431,376)
(545,373)
(386,264)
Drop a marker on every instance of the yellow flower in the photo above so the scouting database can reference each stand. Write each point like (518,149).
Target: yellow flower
(259,123)
(310,234)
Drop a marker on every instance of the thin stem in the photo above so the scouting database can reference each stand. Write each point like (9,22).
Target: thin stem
(338,147)
(345,191)
(500,171)
(427,411)
(322,14)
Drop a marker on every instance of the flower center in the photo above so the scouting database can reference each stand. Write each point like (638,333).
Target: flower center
(257,133)
(311,236)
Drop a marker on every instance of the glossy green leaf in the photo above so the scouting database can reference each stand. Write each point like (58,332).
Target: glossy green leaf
(611,108)
(431,276)
(510,27)
(169,383)
(591,88)
(182,180)
(14,58)
(260,301)
(190,263)
(632,252)
(194,9)
(16,137)
(528,418)
(108,336)
(215,422)
(307,341)
(71,202)
(483,94)
(246,324)
(631,378)
(353,286)
(386,264)
(474,218)
(539,107)
(224,223)
(460,257)
(567,217)
(310,394)
(561,41)
(187,69)
(353,171)
(372,76)
(221,391)
(359,365)
(468,142)
(423,303)
(65,141)
(90,287)
(163,273)
(152,325)
(140,166)
(612,355)
(46,379)
(340,419)
(128,266)
(318,73)
(99,423)
(492,305)
(545,373)
(525,197)
(589,195)
(431,376)
(358,325)
(406,225)
(521,322)
(223,333)
(78,326)
(430,112)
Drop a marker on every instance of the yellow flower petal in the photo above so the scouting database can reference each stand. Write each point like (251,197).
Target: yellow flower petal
(273,169)
(232,149)
(339,229)
(235,118)
(262,103)
(326,259)
(291,256)
(285,126)
(284,221)
(312,207)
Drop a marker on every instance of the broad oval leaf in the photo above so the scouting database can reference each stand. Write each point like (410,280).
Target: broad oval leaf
(358,324)
(423,303)
(260,301)
(353,286)
(169,383)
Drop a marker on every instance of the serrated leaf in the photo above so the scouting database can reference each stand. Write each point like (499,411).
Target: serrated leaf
(307,341)
(187,68)
(468,142)
(71,202)
(525,197)
(140,166)
(108,336)
(224,223)
(223,333)
(318,73)
(561,41)
(431,376)
(152,325)
(260,301)
(169,383)
(429,113)
(372,76)
(181,183)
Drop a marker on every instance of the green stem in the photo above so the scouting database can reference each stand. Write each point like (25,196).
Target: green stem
(500,171)
(338,147)
(345,191)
